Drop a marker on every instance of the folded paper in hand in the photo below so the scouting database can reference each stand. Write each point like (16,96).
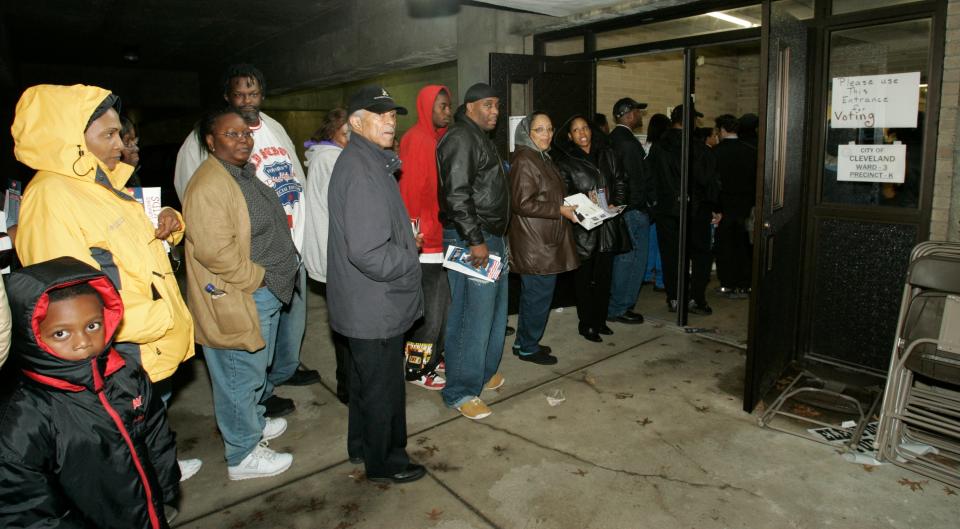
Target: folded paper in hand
(457,259)
(589,213)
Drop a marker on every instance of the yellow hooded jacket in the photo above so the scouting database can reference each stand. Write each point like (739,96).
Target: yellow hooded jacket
(74,206)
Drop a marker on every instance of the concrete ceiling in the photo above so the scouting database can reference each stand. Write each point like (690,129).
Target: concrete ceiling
(557,8)
(166,34)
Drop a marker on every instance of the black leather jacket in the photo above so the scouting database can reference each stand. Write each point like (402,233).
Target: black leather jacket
(474,191)
(630,155)
(583,174)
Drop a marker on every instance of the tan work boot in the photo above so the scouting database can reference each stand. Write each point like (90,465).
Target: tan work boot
(474,409)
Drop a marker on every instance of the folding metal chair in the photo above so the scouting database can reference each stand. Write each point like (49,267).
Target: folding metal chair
(920,416)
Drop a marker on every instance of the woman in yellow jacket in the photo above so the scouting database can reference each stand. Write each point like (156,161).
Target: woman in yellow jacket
(75,205)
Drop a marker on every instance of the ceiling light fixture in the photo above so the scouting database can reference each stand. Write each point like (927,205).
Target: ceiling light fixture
(733,20)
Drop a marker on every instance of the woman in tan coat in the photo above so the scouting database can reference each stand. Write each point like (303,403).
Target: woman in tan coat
(541,239)
(241,269)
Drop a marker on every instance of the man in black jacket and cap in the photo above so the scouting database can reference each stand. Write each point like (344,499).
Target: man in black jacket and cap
(629,267)
(373,285)
(474,209)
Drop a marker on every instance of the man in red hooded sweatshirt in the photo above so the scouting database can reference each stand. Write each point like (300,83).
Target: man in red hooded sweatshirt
(418,187)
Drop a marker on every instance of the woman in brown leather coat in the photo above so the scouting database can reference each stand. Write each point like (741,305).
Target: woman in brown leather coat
(541,239)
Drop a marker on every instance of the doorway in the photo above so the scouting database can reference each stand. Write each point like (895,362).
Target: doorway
(726,80)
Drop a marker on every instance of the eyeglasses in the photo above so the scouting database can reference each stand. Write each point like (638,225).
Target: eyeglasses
(541,130)
(237,136)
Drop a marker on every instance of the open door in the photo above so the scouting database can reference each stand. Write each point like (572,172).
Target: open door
(558,86)
(774,323)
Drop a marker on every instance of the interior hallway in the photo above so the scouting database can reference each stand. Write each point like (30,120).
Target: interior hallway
(651,435)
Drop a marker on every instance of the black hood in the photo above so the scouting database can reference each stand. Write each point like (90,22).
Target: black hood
(27,291)
(671,140)
(562,141)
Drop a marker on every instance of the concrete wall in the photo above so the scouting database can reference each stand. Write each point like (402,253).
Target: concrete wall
(945,219)
(302,111)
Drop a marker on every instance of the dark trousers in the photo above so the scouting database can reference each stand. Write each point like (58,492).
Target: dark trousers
(592,282)
(734,253)
(377,428)
(429,329)
(536,291)
(698,254)
(342,350)
(668,238)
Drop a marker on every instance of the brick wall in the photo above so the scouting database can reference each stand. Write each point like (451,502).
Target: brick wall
(945,217)
(727,82)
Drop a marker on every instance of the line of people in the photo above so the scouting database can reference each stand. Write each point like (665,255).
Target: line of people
(100,311)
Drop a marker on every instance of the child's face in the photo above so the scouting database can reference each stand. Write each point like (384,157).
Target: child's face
(73,327)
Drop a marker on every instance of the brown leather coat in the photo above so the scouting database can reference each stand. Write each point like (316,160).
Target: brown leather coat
(541,241)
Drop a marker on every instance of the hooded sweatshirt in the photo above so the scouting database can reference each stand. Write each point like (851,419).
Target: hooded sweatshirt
(83,443)
(418,178)
(74,206)
(321,158)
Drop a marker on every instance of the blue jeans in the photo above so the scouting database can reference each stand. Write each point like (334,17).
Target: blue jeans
(629,267)
(476,326)
(293,322)
(536,292)
(239,378)
(654,266)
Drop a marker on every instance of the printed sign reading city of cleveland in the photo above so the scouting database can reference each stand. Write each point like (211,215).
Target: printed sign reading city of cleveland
(875,101)
(872,163)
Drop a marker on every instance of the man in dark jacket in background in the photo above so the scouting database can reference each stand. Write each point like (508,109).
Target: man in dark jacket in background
(664,166)
(629,267)
(737,169)
(475,210)
(373,285)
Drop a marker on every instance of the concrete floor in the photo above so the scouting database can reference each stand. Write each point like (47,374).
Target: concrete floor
(651,435)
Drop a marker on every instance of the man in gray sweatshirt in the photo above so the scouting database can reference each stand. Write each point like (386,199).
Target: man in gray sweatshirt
(373,285)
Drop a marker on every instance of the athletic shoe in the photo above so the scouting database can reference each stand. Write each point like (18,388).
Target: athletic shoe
(189,468)
(274,428)
(474,409)
(495,382)
(432,382)
(441,367)
(261,463)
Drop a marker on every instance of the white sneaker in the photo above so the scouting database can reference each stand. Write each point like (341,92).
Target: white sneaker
(274,428)
(261,463)
(189,468)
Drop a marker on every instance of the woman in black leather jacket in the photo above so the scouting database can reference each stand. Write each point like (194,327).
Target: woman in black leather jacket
(588,166)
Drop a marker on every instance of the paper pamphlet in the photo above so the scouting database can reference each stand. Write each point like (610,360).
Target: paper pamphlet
(456,259)
(588,212)
(149,198)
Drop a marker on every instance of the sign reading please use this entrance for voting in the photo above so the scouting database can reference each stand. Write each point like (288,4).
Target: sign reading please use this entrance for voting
(875,101)
(872,163)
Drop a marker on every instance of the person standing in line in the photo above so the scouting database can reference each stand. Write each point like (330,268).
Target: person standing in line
(332,137)
(589,166)
(275,159)
(475,210)
(373,288)
(737,170)
(629,267)
(541,238)
(418,187)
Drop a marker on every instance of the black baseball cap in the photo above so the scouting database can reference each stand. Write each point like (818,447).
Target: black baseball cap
(625,105)
(375,99)
(676,115)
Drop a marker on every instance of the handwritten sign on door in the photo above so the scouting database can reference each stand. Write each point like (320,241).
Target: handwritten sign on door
(872,163)
(875,101)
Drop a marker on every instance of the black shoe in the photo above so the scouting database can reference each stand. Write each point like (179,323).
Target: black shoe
(629,317)
(356,460)
(278,406)
(413,472)
(699,308)
(591,335)
(303,377)
(605,330)
(542,357)
(510,331)
(659,289)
